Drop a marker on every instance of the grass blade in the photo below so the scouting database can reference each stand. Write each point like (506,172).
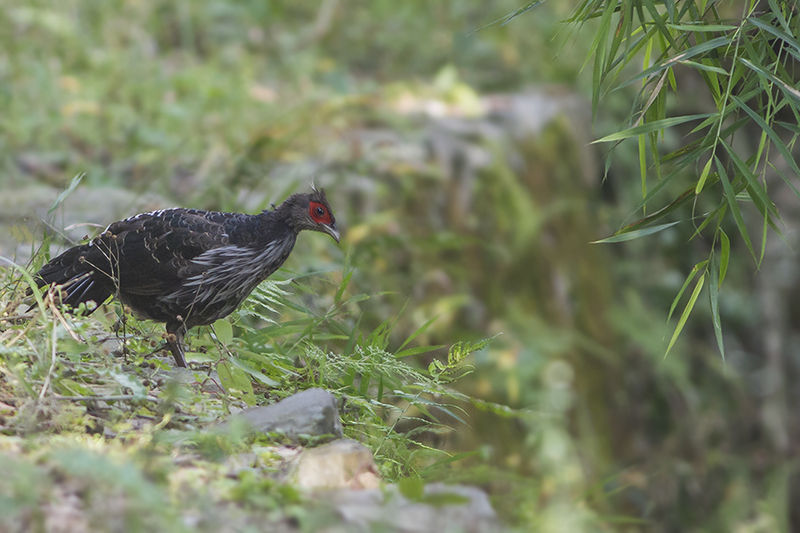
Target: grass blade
(417,332)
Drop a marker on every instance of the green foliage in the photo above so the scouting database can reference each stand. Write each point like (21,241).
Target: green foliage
(383,387)
(744,63)
(275,340)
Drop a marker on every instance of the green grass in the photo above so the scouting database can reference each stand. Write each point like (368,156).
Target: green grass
(80,419)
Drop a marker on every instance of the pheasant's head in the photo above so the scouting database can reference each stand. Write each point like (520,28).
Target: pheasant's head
(312,211)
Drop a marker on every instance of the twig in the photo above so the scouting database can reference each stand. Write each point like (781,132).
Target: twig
(61,319)
(12,318)
(110,398)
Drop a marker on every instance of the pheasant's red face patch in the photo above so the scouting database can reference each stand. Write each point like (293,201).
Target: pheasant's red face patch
(319,213)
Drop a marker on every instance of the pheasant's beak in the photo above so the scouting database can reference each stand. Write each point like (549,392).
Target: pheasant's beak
(331,230)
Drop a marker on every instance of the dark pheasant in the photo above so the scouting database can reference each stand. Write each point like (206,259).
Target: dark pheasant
(185,267)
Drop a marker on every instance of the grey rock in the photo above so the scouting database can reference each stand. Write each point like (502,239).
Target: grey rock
(25,213)
(311,412)
(443,509)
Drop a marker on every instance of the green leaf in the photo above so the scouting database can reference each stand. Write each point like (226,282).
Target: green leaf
(658,19)
(234,379)
(713,296)
(655,125)
(791,41)
(682,56)
(635,234)
(756,191)
(686,312)
(686,283)
(724,254)
(786,88)
(223,330)
(702,27)
(643,164)
(649,219)
(224,373)
(703,175)
(247,369)
(705,68)
(73,387)
(730,195)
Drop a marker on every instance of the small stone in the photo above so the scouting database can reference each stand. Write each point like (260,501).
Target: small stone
(312,412)
(343,463)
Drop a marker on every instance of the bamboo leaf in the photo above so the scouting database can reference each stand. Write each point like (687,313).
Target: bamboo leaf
(649,127)
(649,219)
(635,234)
(730,195)
(713,296)
(703,176)
(702,27)
(788,90)
(776,140)
(695,269)
(706,68)
(643,164)
(788,39)
(724,255)
(754,188)
(658,20)
(686,312)
(777,11)
(686,54)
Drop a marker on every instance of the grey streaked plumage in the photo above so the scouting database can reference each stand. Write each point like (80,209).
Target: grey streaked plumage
(185,267)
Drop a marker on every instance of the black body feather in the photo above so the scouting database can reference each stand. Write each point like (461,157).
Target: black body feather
(185,267)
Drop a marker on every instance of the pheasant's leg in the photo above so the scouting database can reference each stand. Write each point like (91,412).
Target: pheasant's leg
(175,333)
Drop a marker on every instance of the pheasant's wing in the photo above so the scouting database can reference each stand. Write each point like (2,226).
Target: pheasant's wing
(152,253)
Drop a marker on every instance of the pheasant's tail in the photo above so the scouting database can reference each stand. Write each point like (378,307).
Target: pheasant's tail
(75,277)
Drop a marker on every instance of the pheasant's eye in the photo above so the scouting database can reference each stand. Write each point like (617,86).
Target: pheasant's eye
(319,213)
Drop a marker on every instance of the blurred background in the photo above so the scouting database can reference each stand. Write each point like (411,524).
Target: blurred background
(455,150)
